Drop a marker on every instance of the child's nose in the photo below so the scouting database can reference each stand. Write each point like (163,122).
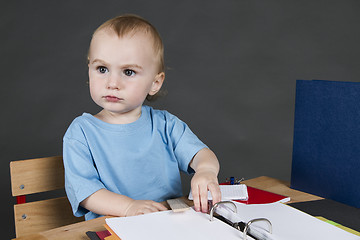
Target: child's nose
(114,82)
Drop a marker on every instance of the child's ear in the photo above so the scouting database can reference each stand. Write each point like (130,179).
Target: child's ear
(157,83)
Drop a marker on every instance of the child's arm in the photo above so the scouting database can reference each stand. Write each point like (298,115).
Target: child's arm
(206,168)
(105,202)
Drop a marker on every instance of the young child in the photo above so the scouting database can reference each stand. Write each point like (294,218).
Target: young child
(127,158)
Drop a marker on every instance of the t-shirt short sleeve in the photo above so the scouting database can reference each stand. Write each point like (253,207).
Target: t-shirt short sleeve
(81,177)
(185,143)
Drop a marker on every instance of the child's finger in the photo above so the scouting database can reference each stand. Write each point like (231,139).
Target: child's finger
(160,207)
(196,198)
(215,192)
(204,198)
(153,207)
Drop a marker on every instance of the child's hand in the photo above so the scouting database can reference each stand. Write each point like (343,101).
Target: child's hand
(201,182)
(137,207)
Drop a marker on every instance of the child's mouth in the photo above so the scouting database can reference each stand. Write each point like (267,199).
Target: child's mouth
(112,99)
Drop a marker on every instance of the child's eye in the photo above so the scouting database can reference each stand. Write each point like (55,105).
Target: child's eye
(129,72)
(102,69)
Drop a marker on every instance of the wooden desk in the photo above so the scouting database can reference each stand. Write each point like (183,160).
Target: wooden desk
(77,231)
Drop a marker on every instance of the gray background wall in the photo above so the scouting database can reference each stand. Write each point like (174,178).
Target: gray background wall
(232,67)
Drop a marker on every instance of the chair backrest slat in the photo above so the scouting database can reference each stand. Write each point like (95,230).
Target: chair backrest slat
(36,175)
(43,215)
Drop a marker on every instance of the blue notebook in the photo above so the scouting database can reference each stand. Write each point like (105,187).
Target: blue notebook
(326,147)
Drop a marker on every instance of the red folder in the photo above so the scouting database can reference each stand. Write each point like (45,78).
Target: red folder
(258,196)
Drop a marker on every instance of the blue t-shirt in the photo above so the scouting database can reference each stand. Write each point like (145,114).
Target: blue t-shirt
(141,160)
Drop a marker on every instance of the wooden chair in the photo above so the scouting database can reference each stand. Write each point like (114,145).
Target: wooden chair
(37,176)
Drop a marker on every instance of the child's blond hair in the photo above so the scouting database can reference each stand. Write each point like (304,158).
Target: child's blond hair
(131,24)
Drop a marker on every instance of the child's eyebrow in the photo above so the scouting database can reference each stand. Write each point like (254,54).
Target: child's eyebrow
(122,66)
(98,61)
(132,66)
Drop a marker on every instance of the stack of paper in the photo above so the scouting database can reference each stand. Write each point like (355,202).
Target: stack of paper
(230,192)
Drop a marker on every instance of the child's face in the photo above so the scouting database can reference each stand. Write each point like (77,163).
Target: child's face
(122,72)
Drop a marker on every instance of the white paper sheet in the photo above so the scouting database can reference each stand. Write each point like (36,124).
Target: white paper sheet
(168,225)
(288,223)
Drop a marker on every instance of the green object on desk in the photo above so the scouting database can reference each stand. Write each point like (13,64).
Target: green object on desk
(339,226)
